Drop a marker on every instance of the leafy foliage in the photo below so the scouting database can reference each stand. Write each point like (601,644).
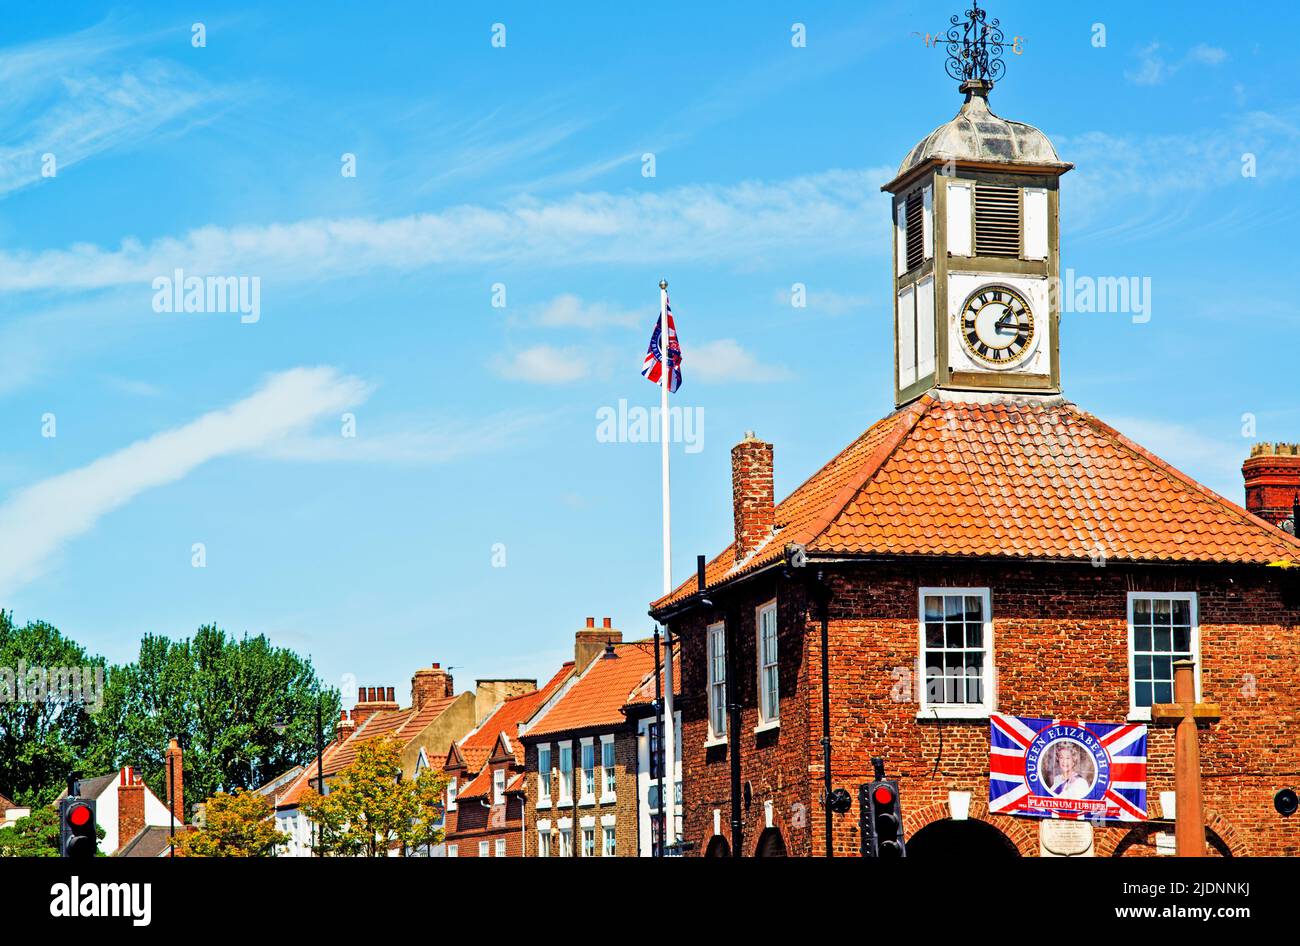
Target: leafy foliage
(222,696)
(239,824)
(369,807)
(41,743)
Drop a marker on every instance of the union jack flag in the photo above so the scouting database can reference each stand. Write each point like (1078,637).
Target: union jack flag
(1066,768)
(653,365)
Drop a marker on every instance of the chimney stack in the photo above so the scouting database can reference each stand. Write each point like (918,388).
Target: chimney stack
(589,643)
(1272,475)
(752,497)
(175,775)
(372,700)
(431,683)
(344,728)
(489,694)
(130,805)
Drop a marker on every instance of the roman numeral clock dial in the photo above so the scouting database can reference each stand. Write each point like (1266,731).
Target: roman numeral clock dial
(997,326)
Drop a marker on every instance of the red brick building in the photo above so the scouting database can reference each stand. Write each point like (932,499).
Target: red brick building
(581,752)
(988,547)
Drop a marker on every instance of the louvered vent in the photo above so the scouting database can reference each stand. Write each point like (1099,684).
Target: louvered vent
(915,230)
(997,220)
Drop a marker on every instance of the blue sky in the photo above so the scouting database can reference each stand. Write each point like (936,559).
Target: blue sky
(522,166)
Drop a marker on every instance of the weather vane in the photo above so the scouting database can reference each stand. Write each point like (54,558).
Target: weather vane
(975,46)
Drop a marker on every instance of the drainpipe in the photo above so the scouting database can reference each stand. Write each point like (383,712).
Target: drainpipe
(733,736)
(659,705)
(823,595)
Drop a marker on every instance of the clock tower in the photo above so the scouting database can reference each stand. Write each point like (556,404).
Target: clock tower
(977,242)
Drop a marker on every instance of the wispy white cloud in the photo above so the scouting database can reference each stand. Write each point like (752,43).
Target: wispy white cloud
(422,443)
(832,213)
(726,360)
(79,95)
(39,520)
(570,311)
(1153,68)
(550,364)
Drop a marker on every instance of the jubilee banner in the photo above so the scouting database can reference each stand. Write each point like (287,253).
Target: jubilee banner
(1066,768)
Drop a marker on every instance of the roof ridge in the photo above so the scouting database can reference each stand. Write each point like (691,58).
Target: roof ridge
(910,415)
(1192,485)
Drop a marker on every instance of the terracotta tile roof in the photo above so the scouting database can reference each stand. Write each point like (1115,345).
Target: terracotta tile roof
(644,694)
(403,725)
(597,696)
(478,786)
(5,804)
(1013,479)
(506,719)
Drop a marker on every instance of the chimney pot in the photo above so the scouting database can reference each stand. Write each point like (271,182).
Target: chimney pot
(752,496)
(390,695)
(608,622)
(361,694)
(591,622)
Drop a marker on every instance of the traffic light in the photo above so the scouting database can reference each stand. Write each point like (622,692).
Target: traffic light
(77,827)
(881,818)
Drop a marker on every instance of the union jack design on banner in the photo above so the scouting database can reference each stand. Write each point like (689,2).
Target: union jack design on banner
(653,365)
(1066,768)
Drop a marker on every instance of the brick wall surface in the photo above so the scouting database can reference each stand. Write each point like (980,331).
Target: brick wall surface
(624,808)
(1060,648)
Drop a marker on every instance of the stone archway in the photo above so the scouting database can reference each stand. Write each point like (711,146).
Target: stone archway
(770,844)
(1014,834)
(718,847)
(1221,838)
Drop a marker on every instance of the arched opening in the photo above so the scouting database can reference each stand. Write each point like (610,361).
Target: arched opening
(718,847)
(961,840)
(770,844)
(1141,842)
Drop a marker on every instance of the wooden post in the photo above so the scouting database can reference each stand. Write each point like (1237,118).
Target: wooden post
(1184,712)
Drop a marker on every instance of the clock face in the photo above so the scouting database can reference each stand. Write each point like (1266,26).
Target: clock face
(997,326)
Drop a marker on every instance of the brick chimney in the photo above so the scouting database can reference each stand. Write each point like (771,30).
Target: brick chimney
(344,728)
(1272,475)
(589,643)
(130,805)
(175,775)
(752,497)
(431,683)
(372,700)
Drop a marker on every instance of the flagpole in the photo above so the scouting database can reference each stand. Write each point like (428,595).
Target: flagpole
(668,797)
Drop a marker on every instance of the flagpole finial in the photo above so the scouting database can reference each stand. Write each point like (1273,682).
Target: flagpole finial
(663,284)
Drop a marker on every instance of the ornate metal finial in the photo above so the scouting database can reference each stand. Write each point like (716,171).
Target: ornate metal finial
(974,47)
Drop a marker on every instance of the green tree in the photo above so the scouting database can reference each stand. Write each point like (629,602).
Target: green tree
(239,824)
(37,835)
(370,808)
(42,741)
(222,697)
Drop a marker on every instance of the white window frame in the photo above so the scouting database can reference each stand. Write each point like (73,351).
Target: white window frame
(566,784)
(717,692)
(1141,713)
(498,786)
(453,850)
(930,710)
(452,785)
(608,840)
(566,841)
(585,830)
(586,774)
(544,773)
(500,847)
(769,716)
(483,849)
(608,772)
